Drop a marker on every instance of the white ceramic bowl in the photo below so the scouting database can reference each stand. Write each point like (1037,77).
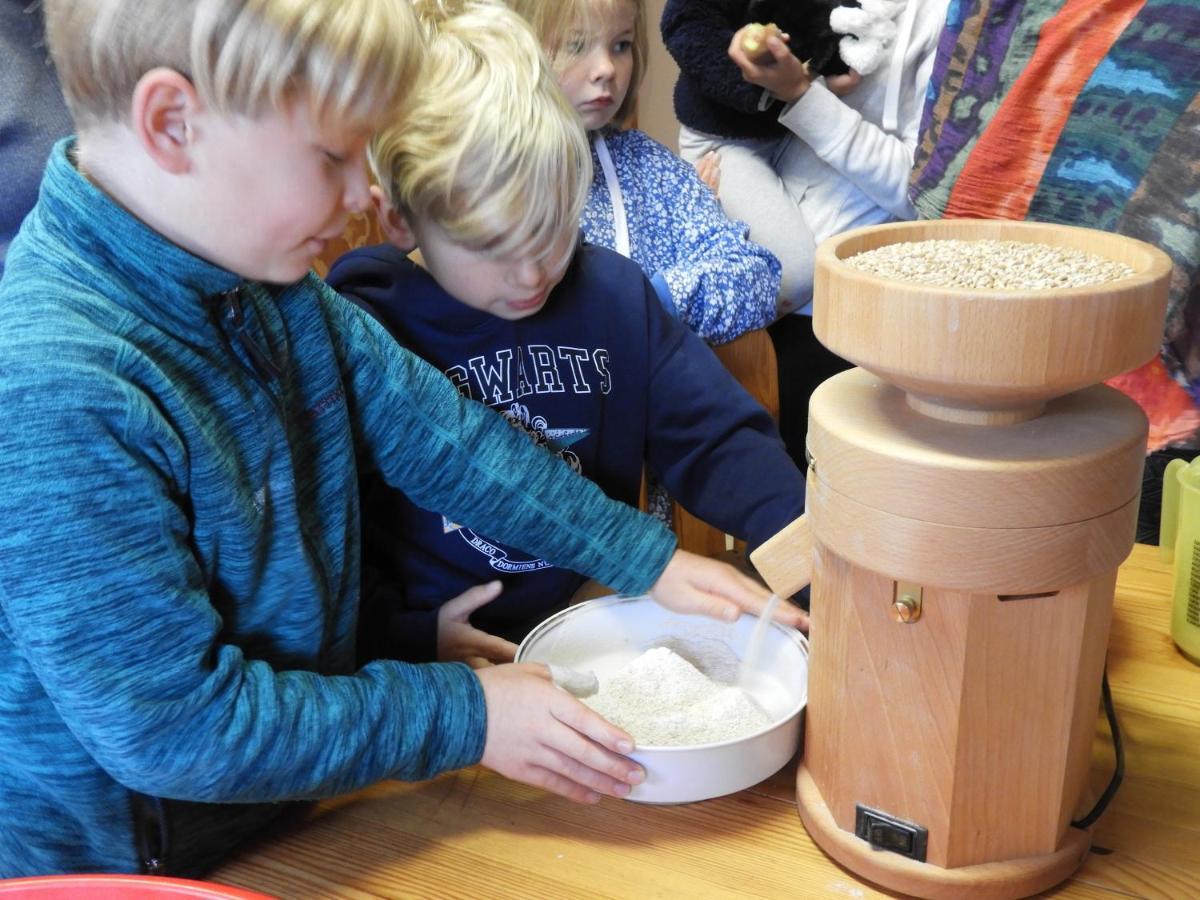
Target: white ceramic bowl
(606,634)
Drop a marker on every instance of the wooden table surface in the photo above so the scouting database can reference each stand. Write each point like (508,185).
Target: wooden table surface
(473,833)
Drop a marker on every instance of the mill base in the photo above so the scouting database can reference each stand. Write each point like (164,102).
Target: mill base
(1005,880)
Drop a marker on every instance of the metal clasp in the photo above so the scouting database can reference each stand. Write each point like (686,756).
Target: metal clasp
(906,602)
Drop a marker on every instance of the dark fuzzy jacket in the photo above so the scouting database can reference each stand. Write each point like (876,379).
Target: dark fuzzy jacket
(711,96)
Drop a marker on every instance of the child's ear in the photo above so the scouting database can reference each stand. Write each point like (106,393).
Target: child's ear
(164,105)
(392,222)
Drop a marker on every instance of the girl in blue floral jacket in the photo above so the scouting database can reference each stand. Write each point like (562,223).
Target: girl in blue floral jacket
(645,202)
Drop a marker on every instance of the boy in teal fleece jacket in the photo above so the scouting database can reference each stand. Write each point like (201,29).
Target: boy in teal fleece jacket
(188,410)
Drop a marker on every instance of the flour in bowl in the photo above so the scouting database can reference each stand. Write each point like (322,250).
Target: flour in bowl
(664,701)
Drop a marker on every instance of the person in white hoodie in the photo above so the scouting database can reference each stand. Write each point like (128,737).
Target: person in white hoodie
(804,156)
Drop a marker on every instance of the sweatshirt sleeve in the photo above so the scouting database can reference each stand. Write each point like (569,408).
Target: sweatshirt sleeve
(102,594)
(464,460)
(722,284)
(877,161)
(697,35)
(714,447)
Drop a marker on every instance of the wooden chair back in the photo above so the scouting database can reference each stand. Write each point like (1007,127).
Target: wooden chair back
(751,360)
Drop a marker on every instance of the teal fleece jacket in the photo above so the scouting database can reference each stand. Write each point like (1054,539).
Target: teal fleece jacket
(179,539)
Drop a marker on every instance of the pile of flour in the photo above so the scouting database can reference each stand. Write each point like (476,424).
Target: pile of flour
(664,701)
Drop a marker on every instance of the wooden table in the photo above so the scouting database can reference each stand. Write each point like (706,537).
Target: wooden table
(475,834)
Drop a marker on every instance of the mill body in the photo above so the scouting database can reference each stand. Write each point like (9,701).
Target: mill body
(971,493)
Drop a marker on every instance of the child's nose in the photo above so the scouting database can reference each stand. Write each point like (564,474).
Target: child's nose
(602,67)
(530,274)
(357,195)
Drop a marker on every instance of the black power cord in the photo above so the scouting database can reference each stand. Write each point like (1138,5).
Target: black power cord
(1118,775)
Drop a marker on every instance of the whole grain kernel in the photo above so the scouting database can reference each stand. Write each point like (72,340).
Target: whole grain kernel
(989,265)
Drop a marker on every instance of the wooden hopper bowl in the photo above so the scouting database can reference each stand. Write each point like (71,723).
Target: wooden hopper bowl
(972,355)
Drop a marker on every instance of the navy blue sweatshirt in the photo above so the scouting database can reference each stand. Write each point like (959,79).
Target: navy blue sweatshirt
(602,375)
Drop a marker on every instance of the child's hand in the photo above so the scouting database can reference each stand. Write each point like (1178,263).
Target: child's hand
(841,85)
(754,40)
(777,70)
(541,735)
(708,167)
(460,641)
(697,584)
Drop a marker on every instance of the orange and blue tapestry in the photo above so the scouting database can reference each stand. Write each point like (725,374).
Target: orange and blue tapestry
(1081,112)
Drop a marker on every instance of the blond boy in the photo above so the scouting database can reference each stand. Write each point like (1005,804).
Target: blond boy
(486,171)
(187,411)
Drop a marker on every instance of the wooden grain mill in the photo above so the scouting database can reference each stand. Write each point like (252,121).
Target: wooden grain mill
(972,490)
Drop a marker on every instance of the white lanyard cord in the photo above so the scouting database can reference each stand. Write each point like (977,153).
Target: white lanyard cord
(620,225)
(891,102)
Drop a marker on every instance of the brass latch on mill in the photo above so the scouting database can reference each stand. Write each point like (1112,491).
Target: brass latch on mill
(906,602)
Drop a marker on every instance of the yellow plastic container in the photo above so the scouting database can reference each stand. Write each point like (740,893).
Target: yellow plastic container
(1179,541)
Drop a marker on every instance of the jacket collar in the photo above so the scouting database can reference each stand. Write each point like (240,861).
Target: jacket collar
(164,281)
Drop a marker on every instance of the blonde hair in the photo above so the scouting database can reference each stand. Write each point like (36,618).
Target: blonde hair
(349,59)
(485,144)
(555,21)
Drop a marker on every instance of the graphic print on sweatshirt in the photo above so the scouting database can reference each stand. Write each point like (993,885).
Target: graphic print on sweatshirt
(518,372)
(538,369)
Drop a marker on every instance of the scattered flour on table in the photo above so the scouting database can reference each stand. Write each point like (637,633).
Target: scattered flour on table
(664,701)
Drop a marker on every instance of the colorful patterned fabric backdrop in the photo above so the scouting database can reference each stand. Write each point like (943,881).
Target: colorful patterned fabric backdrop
(1082,112)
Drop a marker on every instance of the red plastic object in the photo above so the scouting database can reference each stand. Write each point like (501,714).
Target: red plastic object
(120,887)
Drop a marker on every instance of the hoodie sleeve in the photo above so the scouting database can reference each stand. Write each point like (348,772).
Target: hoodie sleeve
(862,152)
(878,161)
(714,447)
